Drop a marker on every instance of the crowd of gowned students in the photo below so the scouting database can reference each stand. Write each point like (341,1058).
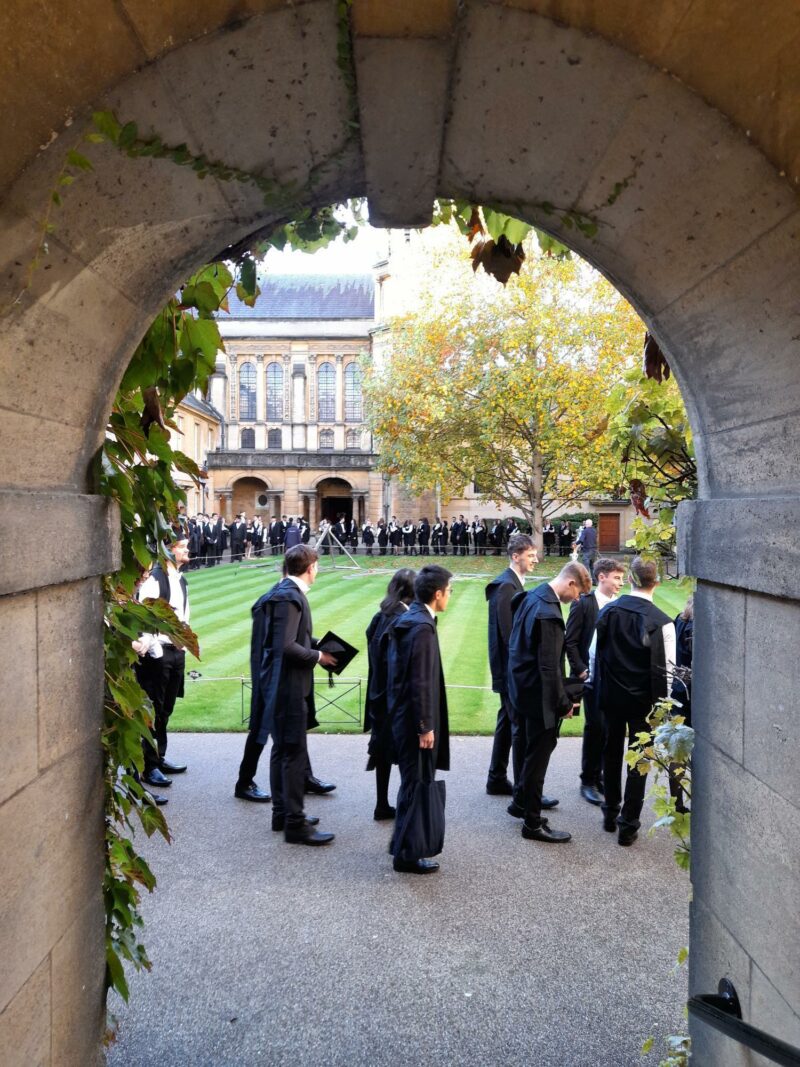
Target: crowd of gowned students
(210,536)
(616,655)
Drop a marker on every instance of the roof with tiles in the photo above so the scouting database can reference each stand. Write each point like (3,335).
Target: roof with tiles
(308,296)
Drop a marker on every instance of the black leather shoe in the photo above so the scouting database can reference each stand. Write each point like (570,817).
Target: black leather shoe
(384,812)
(279,822)
(548,802)
(500,789)
(314,785)
(627,837)
(158,800)
(155,777)
(305,835)
(610,824)
(588,792)
(252,792)
(171,768)
(415,866)
(544,833)
(516,810)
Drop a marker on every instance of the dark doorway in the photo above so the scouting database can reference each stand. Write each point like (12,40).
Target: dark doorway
(334,506)
(335,498)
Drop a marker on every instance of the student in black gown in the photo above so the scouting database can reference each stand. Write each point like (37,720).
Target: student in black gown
(381,749)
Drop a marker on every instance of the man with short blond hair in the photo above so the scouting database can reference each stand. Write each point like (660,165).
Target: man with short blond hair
(537,686)
(635,651)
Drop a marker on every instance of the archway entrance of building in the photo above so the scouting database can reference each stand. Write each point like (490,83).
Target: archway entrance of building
(704,241)
(253,497)
(334,498)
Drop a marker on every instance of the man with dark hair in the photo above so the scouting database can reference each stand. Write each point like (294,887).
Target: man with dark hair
(508,736)
(424,536)
(210,534)
(609,576)
(161,663)
(537,685)
(634,657)
(417,704)
(238,532)
(283,655)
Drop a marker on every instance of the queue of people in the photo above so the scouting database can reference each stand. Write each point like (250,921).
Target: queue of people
(621,651)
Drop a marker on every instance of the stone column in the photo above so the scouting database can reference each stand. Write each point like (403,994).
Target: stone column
(340,388)
(261,403)
(299,407)
(233,403)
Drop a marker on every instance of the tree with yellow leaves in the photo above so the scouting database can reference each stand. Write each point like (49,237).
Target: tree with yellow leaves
(506,388)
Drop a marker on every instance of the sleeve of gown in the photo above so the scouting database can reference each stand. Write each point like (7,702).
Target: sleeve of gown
(551,667)
(293,651)
(573,638)
(424,679)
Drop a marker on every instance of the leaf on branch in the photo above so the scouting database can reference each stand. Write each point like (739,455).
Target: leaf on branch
(152,410)
(499,258)
(654,362)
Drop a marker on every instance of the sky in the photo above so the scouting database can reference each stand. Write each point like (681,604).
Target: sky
(342,257)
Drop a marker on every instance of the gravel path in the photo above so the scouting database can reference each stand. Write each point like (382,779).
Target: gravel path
(515,952)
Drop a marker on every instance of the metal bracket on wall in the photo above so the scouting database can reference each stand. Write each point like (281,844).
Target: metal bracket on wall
(723,1012)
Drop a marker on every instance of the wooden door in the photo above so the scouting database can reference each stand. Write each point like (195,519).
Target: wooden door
(608,532)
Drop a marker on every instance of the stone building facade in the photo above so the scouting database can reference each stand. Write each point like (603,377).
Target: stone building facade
(293,438)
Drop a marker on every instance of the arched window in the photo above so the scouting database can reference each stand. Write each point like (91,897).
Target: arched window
(326,439)
(352,439)
(247,393)
(352,393)
(248,438)
(274,439)
(274,392)
(326,388)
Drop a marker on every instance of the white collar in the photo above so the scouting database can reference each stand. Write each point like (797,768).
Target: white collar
(431,612)
(301,585)
(645,594)
(602,599)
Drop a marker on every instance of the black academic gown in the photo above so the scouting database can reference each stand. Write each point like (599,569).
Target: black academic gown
(582,620)
(376,716)
(630,667)
(499,594)
(282,699)
(416,697)
(536,680)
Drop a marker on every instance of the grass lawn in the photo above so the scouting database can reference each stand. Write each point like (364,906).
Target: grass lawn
(345,600)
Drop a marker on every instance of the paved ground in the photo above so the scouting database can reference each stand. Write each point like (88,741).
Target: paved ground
(514,953)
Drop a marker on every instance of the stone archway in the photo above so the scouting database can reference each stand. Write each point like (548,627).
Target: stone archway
(704,240)
(252,495)
(334,498)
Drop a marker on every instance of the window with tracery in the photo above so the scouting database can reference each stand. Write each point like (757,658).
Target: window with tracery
(247,393)
(326,393)
(248,437)
(326,439)
(274,392)
(352,393)
(274,439)
(352,439)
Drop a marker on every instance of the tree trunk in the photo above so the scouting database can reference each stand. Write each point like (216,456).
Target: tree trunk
(536,498)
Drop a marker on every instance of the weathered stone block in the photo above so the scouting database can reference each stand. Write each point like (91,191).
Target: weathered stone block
(87,543)
(18,707)
(758,285)
(26,464)
(546,90)
(769,1010)
(772,725)
(401,157)
(716,954)
(51,841)
(78,975)
(25,1023)
(746,862)
(718,667)
(747,542)
(70,668)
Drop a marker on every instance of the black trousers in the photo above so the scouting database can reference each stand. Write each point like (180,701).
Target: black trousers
(627,809)
(501,749)
(539,746)
(161,679)
(593,741)
(248,768)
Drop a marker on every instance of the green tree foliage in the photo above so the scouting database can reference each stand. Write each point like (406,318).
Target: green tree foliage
(650,433)
(507,390)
